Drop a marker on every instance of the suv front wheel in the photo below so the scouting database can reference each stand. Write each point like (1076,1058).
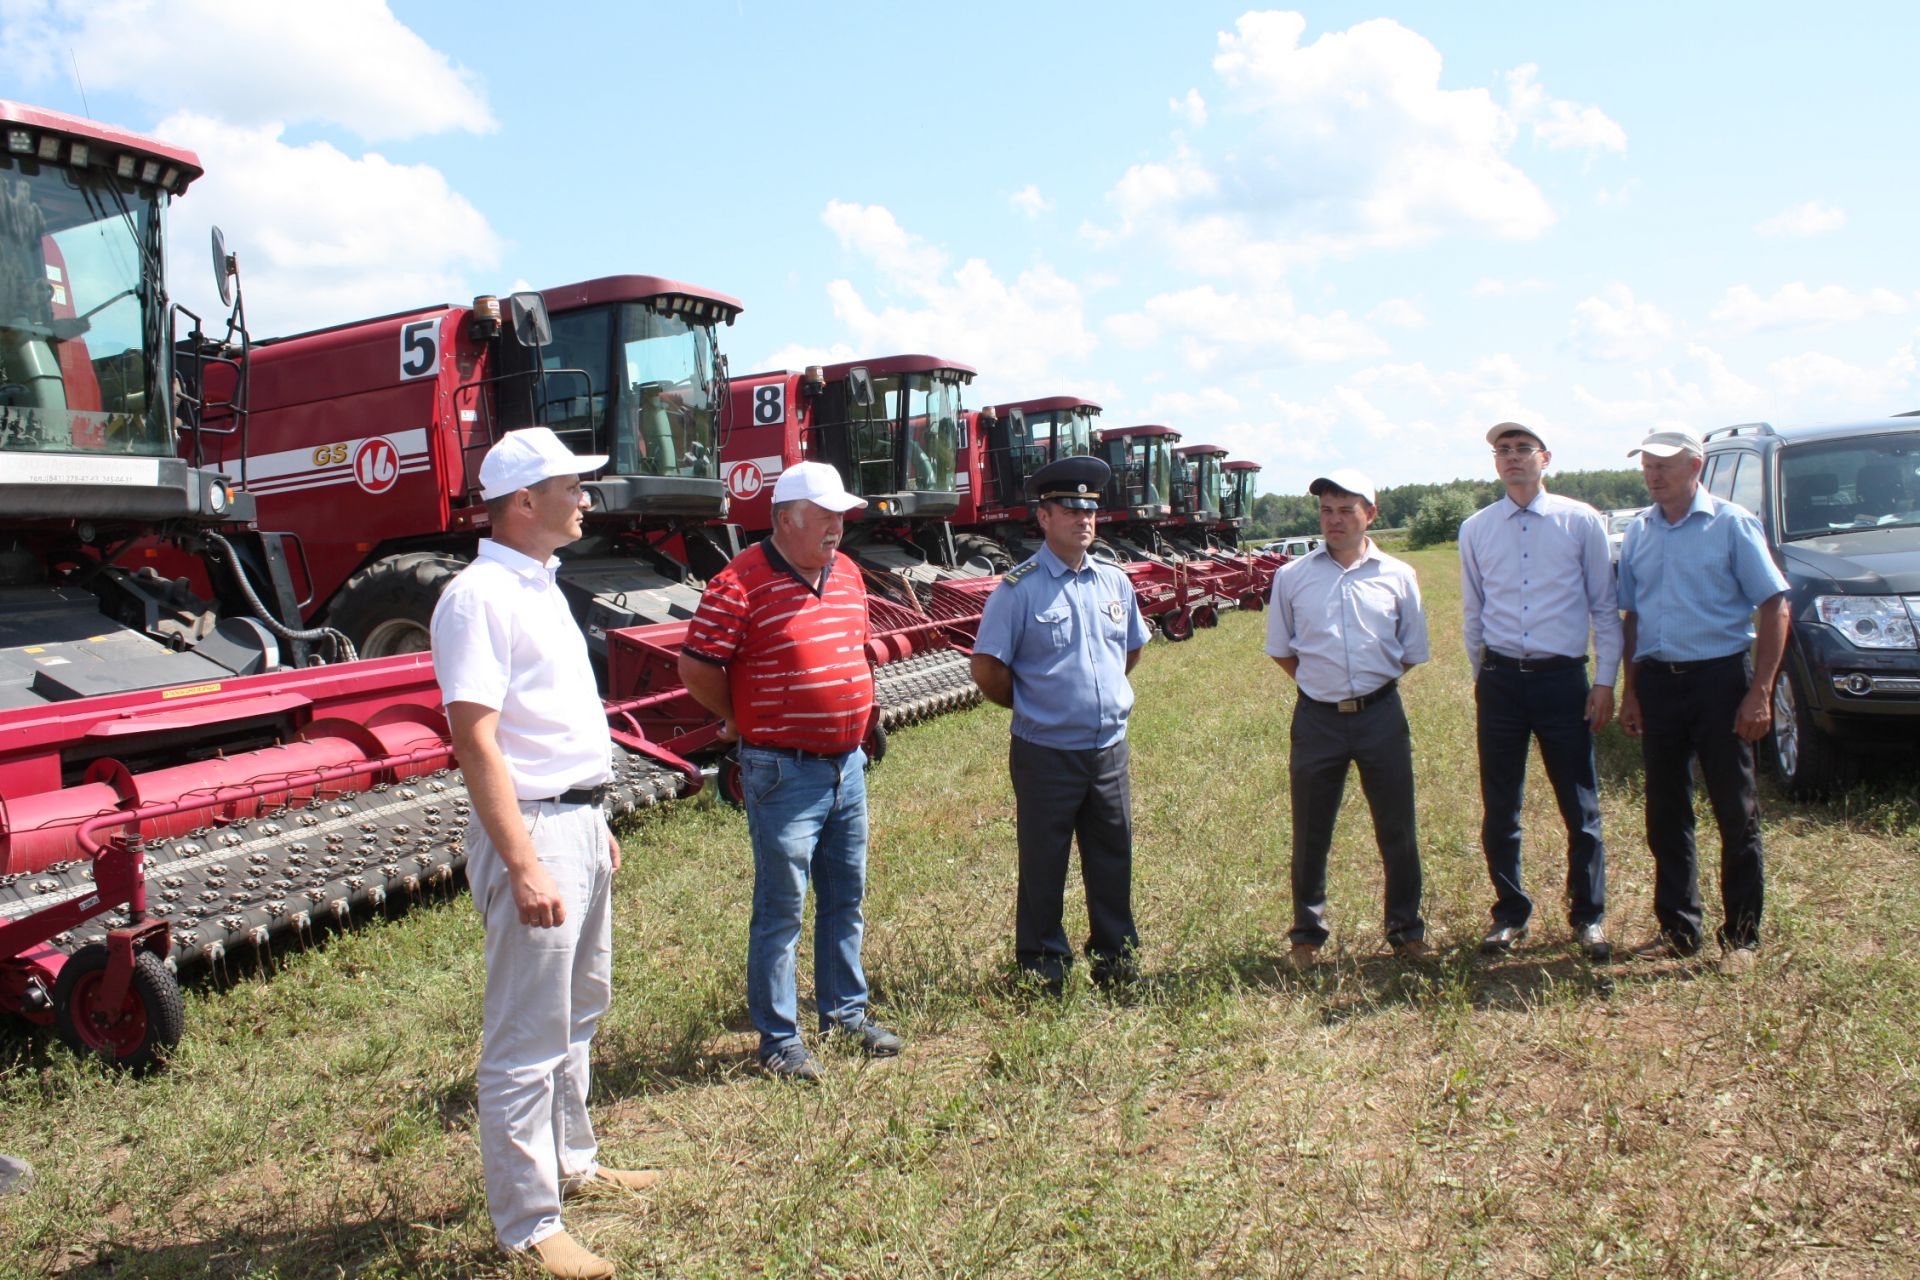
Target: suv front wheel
(1808,763)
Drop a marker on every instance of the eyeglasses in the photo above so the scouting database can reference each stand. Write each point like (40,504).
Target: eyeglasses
(1515,450)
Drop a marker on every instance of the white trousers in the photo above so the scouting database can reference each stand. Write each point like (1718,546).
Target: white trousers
(546,989)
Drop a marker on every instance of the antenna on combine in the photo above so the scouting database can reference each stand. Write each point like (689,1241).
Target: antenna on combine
(78,83)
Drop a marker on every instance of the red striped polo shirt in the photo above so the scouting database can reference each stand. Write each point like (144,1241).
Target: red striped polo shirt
(796,660)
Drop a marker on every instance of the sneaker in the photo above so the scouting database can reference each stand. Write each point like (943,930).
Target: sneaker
(1413,951)
(1502,938)
(561,1255)
(872,1039)
(1737,961)
(1591,939)
(1661,946)
(1303,956)
(790,1062)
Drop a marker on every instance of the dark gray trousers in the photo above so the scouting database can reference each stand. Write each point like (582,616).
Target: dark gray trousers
(1057,795)
(1324,742)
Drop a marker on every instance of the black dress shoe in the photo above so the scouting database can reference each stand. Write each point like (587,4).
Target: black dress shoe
(1593,944)
(1502,938)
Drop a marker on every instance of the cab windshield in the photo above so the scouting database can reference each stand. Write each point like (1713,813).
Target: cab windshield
(646,372)
(1868,482)
(1073,433)
(921,409)
(1239,498)
(82,341)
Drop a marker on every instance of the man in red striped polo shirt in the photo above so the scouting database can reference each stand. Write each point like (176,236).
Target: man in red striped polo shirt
(778,650)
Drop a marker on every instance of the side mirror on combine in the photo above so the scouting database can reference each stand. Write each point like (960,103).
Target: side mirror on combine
(224,268)
(860,385)
(531,328)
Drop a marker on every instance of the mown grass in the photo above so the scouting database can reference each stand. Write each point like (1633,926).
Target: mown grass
(1534,1116)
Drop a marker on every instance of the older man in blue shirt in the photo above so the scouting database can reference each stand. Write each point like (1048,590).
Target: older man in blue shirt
(1346,624)
(1055,643)
(1695,578)
(1535,580)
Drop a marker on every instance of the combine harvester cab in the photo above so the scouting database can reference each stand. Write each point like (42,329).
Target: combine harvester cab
(176,776)
(1218,577)
(1001,450)
(1237,499)
(1138,497)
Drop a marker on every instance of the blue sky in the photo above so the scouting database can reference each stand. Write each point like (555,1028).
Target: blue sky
(1320,237)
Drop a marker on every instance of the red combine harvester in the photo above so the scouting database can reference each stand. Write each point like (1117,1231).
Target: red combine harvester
(1216,568)
(173,772)
(892,428)
(363,442)
(1000,449)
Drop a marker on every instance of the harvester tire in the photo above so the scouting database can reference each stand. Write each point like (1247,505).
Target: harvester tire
(386,608)
(969,546)
(875,745)
(135,1036)
(1177,625)
(1206,615)
(1253,602)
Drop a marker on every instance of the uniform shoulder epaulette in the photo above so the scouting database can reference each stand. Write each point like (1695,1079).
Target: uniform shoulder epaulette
(1020,570)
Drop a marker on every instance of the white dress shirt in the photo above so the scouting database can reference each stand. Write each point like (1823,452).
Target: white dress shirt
(1536,580)
(504,638)
(1352,629)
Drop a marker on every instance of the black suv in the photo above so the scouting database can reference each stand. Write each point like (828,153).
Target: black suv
(1841,508)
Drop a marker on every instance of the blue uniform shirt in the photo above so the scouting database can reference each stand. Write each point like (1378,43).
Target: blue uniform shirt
(1065,635)
(1693,586)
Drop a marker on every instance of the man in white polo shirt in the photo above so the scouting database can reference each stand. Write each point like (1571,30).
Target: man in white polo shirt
(532,741)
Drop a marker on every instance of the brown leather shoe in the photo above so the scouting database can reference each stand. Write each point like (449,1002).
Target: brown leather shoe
(605,1179)
(561,1255)
(1413,951)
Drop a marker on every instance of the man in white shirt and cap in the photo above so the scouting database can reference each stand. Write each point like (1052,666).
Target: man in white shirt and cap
(1346,624)
(532,742)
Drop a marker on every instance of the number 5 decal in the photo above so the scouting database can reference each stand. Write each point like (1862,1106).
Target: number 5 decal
(419,349)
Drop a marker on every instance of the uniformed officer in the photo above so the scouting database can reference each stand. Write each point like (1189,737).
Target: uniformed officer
(1057,639)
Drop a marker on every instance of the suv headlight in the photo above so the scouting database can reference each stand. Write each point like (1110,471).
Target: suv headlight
(1868,622)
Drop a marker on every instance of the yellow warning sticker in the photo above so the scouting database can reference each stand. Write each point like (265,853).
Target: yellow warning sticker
(188,690)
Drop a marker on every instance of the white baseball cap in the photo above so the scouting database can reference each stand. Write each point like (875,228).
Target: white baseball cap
(1499,429)
(1664,444)
(522,458)
(1346,480)
(815,482)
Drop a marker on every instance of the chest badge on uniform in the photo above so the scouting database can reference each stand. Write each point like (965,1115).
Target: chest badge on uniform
(1115,610)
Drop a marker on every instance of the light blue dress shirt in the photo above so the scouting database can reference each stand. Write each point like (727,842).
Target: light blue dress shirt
(1352,629)
(1693,586)
(1536,580)
(1065,635)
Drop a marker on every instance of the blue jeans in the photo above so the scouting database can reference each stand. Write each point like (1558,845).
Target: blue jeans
(808,820)
(1550,707)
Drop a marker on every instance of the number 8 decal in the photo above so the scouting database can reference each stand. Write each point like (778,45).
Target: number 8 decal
(769,404)
(419,349)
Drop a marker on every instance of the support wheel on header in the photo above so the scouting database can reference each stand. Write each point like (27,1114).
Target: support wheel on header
(1177,625)
(1206,615)
(731,785)
(136,1033)
(875,744)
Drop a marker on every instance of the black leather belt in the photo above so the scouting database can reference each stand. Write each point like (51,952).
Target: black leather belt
(795,753)
(1347,706)
(1556,662)
(579,795)
(1682,668)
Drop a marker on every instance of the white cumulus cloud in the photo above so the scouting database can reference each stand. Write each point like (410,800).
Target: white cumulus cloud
(1795,306)
(1192,108)
(1813,218)
(322,236)
(1018,330)
(347,62)
(1492,287)
(1558,124)
(1029,201)
(1214,330)
(1614,325)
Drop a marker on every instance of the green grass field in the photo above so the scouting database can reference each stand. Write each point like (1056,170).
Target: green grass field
(1529,1117)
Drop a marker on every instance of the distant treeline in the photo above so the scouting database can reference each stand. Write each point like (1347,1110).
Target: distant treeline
(1427,510)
